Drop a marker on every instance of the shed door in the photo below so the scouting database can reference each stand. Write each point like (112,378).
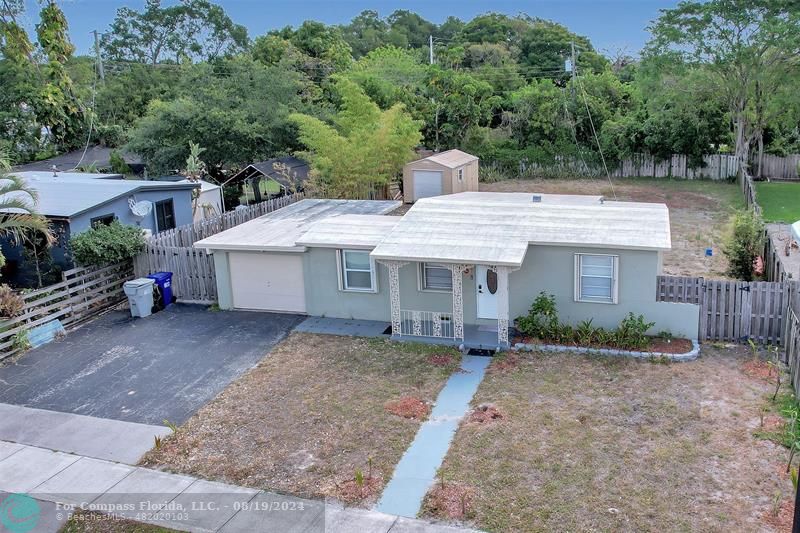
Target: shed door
(427,183)
(268,282)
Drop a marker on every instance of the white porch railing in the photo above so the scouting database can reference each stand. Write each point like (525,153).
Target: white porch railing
(426,324)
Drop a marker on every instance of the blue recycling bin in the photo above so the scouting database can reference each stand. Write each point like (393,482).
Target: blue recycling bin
(164,282)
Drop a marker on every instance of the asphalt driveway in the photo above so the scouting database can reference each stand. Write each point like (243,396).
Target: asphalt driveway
(147,370)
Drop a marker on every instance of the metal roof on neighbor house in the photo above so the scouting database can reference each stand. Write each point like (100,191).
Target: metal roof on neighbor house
(279,231)
(70,196)
(288,171)
(451,158)
(497,228)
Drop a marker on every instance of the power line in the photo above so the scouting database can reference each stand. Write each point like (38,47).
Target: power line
(596,138)
(92,112)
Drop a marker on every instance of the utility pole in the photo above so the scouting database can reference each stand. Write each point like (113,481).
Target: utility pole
(574,66)
(100,70)
(430,48)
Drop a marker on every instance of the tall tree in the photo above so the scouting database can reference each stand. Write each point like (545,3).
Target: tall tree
(237,109)
(459,101)
(363,150)
(58,107)
(194,29)
(746,46)
(19,128)
(366,32)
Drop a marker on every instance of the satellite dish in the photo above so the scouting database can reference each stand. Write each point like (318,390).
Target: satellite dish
(140,209)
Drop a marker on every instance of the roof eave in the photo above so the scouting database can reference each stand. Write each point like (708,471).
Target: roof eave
(172,187)
(211,247)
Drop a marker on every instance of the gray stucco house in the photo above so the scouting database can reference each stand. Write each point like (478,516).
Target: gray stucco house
(74,202)
(453,267)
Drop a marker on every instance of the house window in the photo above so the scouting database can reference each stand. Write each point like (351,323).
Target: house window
(460,174)
(357,271)
(165,215)
(104,220)
(596,278)
(435,277)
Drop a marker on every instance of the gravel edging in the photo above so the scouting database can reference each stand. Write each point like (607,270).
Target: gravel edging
(688,356)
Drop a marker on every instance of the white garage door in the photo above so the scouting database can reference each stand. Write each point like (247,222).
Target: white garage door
(268,282)
(427,183)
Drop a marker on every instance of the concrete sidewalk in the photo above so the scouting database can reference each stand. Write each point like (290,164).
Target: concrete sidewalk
(416,471)
(175,501)
(99,438)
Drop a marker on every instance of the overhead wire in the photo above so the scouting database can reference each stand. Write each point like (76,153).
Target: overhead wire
(596,138)
(91,114)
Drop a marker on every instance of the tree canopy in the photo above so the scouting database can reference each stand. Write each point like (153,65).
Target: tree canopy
(716,76)
(362,149)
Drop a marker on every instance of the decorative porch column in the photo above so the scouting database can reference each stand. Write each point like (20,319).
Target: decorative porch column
(502,304)
(394,293)
(457,272)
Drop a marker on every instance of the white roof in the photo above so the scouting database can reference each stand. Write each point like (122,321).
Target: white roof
(350,231)
(497,228)
(280,230)
(451,158)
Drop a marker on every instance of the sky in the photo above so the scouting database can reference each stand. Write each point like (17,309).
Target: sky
(613,26)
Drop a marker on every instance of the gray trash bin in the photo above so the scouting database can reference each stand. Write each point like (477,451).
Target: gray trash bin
(140,296)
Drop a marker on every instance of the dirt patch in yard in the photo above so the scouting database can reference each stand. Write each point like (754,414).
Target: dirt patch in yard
(485,413)
(677,346)
(757,368)
(408,407)
(452,501)
(308,417)
(618,444)
(699,213)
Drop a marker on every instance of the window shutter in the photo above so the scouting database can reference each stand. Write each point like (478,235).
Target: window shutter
(339,271)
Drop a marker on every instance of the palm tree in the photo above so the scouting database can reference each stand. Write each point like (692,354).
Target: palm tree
(18,217)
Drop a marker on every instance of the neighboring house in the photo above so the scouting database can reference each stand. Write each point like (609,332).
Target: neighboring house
(97,156)
(74,202)
(210,201)
(268,178)
(458,267)
(447,172)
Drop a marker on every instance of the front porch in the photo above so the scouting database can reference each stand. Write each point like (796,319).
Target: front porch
(475,337)
(446,325)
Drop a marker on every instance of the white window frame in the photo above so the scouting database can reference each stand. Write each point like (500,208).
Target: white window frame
(460,174)
(341,268)
(614,279)
(422,284)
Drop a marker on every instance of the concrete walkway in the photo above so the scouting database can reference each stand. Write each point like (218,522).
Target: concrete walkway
(59,482)
(416,471)
(98,438)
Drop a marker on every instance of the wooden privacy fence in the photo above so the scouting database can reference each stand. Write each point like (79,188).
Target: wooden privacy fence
(778,167)
(733,310)
(193,275)
(81,294)
(715,167)
(189,234)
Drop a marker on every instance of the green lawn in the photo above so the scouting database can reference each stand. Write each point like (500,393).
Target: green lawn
(780,201)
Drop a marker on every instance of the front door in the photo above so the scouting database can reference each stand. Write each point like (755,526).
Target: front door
(486,283)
